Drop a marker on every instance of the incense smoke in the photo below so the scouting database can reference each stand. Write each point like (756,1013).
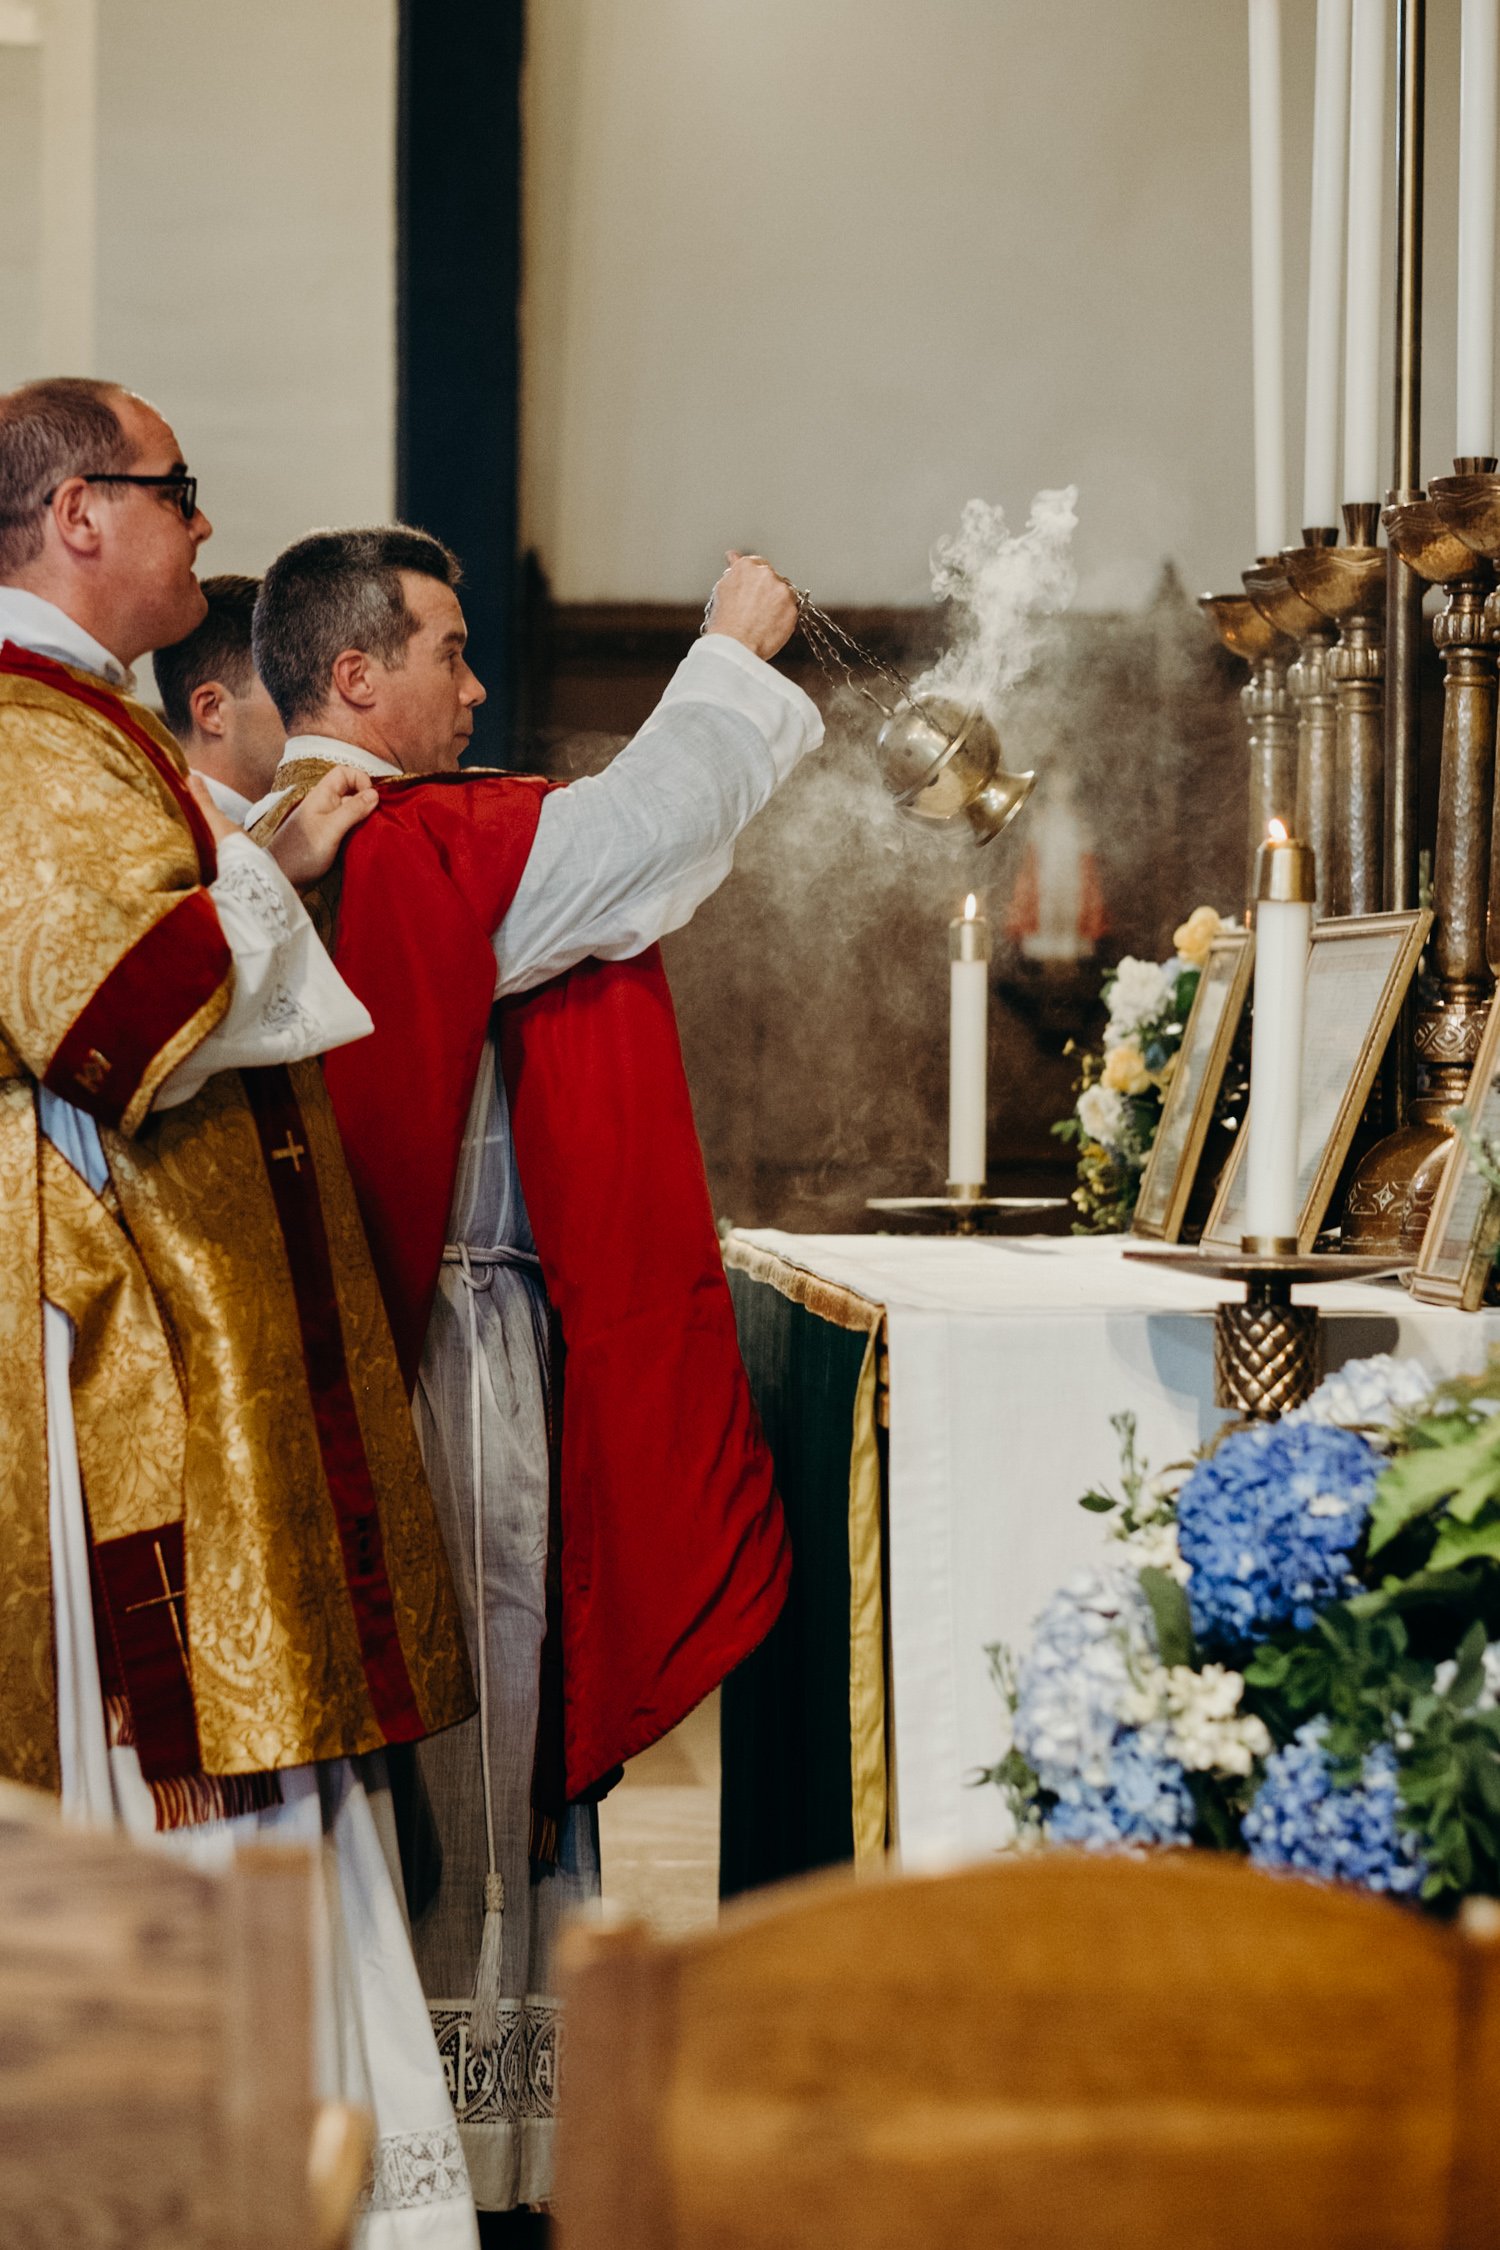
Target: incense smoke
(813,988)
(1002,587)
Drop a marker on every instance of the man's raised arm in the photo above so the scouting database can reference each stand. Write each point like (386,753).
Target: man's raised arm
(623,857)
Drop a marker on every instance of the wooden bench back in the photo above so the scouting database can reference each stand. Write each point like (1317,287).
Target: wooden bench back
(155,2046)
(1052,2052)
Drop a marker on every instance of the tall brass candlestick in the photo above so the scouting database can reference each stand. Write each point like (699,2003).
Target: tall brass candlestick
(1267,705)
(1391,1194)
(1347,586)
(1469,504)
(1311,690)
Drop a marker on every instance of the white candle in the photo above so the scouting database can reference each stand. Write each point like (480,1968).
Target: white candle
(1265,275)
(968,1049)
(1324,260)
(1369,134)
(1283,931)
(1476,228)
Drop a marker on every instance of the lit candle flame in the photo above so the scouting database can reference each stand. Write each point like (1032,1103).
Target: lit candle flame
(1277,831)
(971,907)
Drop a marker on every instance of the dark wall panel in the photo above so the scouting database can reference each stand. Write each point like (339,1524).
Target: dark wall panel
(459,253)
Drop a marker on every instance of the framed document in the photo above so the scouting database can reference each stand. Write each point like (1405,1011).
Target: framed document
(1463,1227)
(1358,972)
(1207,1038)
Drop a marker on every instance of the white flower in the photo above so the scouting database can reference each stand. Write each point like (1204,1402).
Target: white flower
(1101,1113)
(1205,1729)
(1370,1394)
(1140,991)
(1153,1546)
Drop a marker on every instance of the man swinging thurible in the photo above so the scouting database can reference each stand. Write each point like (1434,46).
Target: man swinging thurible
(522,1143)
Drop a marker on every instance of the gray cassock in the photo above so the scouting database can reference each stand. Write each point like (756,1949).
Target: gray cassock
(619,860)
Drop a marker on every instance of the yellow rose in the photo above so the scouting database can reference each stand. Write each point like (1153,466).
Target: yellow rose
(1193,939)
(1125,1069)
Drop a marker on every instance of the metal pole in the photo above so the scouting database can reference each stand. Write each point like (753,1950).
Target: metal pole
(1403,586)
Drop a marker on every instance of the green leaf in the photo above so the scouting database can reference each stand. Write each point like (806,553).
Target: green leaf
(1466,1463)
(1098,1503)
(1170,1615)
(1469,1678)
(1464,1542)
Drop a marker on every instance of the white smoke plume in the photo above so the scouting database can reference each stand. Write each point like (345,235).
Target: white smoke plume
(1002,587)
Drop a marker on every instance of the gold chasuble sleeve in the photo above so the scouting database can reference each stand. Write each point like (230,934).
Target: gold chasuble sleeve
(270,1585)
(112,962)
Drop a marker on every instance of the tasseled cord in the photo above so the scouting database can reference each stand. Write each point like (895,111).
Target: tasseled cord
(489,1991)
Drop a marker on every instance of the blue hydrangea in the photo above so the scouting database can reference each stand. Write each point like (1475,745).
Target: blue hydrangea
(1074,1679)
(1301,1820)
(1144,1799)
(1267,1525)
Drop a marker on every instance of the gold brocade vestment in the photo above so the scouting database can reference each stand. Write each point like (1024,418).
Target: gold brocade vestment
(271,1587)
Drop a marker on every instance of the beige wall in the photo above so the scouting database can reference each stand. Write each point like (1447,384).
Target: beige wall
(805,274)
(246,246)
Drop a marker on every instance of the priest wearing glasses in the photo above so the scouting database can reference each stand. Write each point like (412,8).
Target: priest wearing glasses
(225,1589)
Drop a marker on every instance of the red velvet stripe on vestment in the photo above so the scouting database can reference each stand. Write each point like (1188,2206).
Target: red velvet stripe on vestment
(294,1185)
(151,992)
(98,696)
(140,1580)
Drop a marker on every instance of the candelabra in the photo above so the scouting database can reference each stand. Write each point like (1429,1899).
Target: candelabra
(1269,723)
(1346,585)
(1391,1194)
(1311,690)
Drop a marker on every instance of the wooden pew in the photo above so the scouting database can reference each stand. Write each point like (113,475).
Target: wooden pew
(1052,2052)
(156,2050)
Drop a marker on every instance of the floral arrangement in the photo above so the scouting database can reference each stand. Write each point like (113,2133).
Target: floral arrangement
(1296,1653)
(1121,1089)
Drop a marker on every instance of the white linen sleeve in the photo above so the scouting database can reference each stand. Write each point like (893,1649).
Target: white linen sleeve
(289,1000)
(625,856)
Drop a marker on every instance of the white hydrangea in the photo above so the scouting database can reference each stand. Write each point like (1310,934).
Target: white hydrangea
(1101,1113)
(1206,1732)
(1140,991)
(1370,1394)
(1153,1546)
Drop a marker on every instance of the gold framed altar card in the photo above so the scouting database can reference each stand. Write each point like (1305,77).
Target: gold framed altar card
(1463,1226)
(1208,1036)
(1359,969)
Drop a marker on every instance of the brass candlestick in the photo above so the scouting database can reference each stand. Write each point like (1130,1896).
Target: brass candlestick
(1268,1352)
(1469,504)
(1347,586)
(1267,705)
(1311,690)
(1391,1194)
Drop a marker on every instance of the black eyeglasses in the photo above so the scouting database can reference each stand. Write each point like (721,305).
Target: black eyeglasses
(183,487)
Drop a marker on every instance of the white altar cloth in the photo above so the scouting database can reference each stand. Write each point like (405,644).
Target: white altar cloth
(1007,1358)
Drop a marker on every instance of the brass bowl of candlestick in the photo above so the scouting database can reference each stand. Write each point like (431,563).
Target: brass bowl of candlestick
(1423,538)
(941,762)
(1279,602)
(1469,504)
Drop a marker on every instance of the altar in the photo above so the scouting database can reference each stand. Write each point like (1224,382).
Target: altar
(937,1407)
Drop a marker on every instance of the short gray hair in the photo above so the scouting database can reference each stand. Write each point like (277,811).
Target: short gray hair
(63,426)
(335,590)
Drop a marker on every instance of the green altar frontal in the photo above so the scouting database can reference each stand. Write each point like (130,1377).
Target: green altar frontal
(803,1726)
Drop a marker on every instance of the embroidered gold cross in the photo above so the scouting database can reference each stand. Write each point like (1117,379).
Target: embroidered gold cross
(292,1154)
(168,1599)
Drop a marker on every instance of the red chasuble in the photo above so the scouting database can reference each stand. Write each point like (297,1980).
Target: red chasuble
(674,1553)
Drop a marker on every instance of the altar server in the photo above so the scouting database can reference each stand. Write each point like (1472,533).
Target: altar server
(530,1178)
(223,1581)
(214,701)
